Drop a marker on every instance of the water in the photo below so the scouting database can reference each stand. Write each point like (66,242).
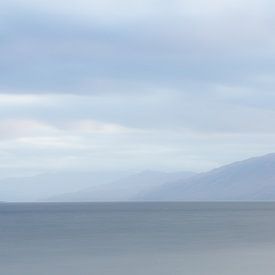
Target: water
(137,239)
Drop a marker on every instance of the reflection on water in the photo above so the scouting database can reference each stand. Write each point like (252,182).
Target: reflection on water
(137,238)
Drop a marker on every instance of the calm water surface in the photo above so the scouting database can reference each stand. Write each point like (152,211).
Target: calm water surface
(137,239)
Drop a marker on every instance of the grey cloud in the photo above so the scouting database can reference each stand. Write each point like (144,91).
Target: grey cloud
(42,52)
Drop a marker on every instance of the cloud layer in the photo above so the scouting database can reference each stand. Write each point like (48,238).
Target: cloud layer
(119,84)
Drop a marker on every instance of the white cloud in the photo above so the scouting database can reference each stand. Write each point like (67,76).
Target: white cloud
(12,99)
(123,7)
(89,126)
(14,128)
(104,10)
(174,149)
(51,142)
(112,12)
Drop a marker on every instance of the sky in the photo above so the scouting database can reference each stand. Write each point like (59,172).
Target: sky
(120,85)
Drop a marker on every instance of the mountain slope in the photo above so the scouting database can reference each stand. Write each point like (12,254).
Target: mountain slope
(252,179)
(125,189)
(35,188)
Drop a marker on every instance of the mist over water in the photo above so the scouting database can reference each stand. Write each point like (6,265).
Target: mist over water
(137,238)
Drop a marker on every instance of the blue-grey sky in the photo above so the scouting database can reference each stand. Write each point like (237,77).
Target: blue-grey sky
(116,84)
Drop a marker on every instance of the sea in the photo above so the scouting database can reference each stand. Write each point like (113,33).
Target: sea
(181,238)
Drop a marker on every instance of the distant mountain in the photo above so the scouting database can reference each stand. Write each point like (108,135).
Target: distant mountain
(125,189)
(37,188)
(249,180)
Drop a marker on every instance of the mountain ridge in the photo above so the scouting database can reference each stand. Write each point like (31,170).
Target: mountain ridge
(124,189)
(250,179)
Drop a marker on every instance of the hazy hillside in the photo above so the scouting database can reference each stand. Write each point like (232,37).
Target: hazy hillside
(39,187)
(252,179)
(125,189)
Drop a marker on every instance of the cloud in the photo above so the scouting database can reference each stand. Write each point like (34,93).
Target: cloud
(16,100)
(167,150)
(178,45)
(185,84)
(20,128)
(126,10)
(12,128)
(92,127)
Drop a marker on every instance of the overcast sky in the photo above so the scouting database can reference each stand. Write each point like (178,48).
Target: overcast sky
(142,84)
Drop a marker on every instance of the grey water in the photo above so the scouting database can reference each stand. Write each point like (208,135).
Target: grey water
(137,239)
